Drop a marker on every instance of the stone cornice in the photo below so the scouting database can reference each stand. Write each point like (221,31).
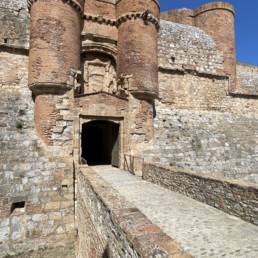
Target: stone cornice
(99,19)
(73,3)
(147,16)
(49,88)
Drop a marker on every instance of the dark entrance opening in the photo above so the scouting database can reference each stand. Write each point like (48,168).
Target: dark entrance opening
(100,143)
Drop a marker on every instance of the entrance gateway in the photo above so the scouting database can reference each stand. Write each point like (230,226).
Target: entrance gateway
(100,143)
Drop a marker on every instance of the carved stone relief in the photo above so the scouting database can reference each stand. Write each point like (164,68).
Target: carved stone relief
(99,74)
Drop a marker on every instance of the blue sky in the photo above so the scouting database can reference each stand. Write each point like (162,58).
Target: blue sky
(246,25)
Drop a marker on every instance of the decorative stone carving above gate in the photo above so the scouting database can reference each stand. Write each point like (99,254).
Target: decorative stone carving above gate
(99,75)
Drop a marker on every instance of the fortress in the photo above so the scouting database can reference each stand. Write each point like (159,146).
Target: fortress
(92,85)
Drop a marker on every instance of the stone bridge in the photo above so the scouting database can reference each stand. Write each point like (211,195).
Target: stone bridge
(130,217)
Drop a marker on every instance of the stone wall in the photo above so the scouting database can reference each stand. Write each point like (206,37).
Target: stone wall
(198,125)
(211,142)
(36,194)
(182,47)
(109,226)
(247,79)
(240,200)
(14,22)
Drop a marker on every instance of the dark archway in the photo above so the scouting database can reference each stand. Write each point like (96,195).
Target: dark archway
(100,143)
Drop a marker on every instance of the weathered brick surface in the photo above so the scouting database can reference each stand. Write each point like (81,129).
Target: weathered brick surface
(183,16)
(134,58)
(217,19)
(54,44)
(100,17)
(238,199)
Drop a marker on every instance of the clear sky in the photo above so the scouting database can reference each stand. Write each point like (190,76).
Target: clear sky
(246,24)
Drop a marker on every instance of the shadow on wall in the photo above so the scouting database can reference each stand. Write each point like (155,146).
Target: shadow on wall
(106,253)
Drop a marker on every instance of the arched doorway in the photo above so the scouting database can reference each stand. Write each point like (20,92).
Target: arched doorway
(100,143)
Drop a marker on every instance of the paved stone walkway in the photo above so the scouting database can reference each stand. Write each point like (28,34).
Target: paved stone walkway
(201,230)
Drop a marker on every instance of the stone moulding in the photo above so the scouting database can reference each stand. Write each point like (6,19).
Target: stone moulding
(99,19)
(49,88)
(147,16)
(95,47)
(73,3)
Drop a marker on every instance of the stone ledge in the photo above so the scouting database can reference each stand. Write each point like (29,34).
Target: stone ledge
(14,48)
(141,234)
(231,196)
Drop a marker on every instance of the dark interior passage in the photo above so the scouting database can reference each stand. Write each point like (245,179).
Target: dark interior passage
(100,143)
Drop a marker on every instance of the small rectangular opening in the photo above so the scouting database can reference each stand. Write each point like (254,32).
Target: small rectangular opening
(18,207)
(5,40)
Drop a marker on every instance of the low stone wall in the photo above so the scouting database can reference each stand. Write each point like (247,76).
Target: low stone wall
(65,251)
(238,199)
(109,226)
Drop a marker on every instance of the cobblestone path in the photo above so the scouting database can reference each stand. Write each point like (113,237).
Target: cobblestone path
(201,230)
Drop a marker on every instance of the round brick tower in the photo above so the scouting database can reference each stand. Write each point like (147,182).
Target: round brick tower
(217,19)
(138,22)
(138,25)
(55,49)
(55,45)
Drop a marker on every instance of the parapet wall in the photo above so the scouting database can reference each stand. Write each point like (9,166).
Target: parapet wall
(240,200)
(109,226)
